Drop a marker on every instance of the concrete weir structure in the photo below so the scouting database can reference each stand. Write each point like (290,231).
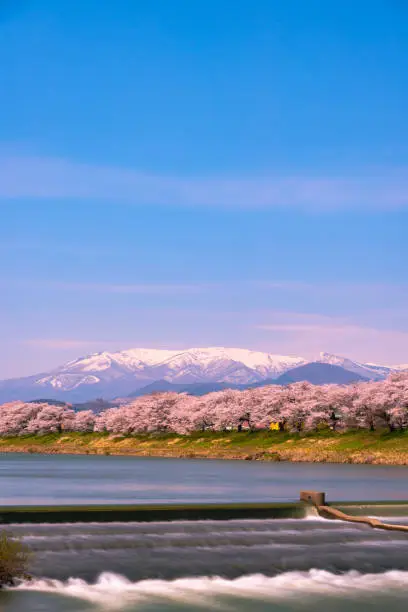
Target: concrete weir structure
(310,501)
(149,513)
(318,500)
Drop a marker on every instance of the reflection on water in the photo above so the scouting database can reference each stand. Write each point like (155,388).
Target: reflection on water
(64,479)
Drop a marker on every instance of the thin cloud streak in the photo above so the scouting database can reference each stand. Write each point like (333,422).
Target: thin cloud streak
(301,322)
(293,327)
(61,343)
(311,333)
(40,178)
(337,286)
(336,329)
(322,289)
(286,333)
(140,289)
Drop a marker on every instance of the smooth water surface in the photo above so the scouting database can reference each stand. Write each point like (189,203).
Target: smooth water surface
(76,479)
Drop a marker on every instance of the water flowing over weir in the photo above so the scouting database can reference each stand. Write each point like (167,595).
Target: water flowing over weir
(241,565)
(204,548)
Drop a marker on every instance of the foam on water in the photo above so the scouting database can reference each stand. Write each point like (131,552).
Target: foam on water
(229,549)
(113,591)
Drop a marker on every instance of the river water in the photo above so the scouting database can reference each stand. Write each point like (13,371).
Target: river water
(249,566)
(81,479)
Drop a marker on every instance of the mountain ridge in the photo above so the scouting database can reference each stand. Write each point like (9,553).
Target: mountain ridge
(319,373)
(122,373)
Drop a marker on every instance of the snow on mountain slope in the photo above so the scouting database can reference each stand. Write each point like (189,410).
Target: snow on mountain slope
(402,367)
(191,365)
(224,365)
(67,382)
(131,359)
(366,370)
(120,373)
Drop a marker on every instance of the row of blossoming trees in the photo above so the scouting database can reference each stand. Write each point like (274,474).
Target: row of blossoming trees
(297,407)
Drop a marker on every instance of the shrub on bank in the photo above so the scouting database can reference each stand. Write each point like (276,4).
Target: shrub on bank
(14,558)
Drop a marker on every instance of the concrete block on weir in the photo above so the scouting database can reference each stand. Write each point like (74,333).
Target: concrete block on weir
(316,498)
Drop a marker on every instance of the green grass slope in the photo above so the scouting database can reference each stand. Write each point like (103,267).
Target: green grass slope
(378,447)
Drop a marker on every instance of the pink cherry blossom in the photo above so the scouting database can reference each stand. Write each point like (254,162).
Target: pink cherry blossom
(297,407)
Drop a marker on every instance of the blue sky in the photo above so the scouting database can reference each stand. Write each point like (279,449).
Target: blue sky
(191,173)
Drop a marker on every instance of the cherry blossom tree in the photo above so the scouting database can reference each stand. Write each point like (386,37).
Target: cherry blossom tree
(268,404)
(15,417)
(294,408)
(395,387)
(298,407)
(84,421)
(185,414)
(225,408)
(50,419)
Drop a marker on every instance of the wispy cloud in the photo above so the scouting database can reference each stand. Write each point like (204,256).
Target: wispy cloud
(49,178)
(371,297)
(62,343)
(329,286)
(89,287)
(341,297)
(285,333)
(312,333)
(79,250)
(294,322)
(142,289)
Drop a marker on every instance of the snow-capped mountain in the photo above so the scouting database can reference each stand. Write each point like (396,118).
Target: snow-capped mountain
(110,375)
(366,370)
(223,365)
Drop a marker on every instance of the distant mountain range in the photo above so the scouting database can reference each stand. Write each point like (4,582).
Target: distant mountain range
(315,372)
(198,371)
(320,374)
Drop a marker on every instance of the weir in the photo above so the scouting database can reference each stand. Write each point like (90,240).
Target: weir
(318,500)
(149,513)
(356,512)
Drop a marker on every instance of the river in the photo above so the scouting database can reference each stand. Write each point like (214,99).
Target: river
(252,565)
(82,479)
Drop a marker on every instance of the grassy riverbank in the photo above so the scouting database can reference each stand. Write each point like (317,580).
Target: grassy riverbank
(351,447)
